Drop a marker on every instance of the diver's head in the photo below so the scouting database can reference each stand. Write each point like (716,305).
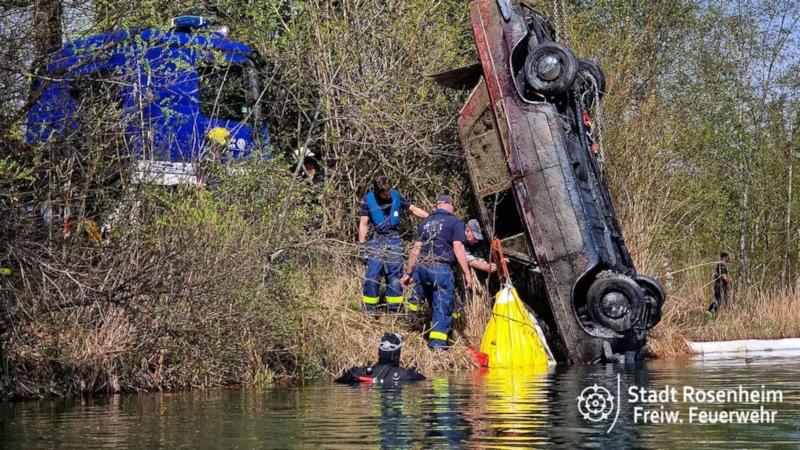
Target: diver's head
(389,349)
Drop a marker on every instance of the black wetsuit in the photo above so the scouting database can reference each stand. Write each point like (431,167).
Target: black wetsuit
(380,374)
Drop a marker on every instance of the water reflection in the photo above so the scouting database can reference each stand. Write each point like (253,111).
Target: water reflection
(569,426)
(489,409)
(513,406)
(395,423)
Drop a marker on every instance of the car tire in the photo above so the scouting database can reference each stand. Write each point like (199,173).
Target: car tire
(654,295)
(588,70)
(562,81)
(615,301)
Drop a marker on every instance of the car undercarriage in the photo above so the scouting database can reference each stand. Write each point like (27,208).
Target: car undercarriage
(535,166)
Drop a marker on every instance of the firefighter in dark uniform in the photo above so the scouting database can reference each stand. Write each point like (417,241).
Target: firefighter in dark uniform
(379,217)
(722,282)
(439,243)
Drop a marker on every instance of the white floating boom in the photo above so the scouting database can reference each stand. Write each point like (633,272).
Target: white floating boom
(744,347)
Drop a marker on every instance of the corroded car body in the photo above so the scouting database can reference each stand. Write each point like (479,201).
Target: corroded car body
(526,131)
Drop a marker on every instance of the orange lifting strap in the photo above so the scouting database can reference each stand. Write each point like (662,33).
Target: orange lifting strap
(498,258)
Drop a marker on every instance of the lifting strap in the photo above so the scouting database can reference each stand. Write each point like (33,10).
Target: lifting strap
(499,259)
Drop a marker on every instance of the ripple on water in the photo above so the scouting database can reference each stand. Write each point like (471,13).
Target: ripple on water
(485,409)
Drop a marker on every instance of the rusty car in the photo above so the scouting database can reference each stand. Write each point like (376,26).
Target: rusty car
(534,165)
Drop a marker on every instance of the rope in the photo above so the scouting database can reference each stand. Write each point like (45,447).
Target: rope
(599,124)
(498,258)
(560,13)
(693,267)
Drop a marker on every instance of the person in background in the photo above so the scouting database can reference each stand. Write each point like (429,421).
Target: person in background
(379,218)
(311,170)
(209,168)
(722,282)
(439,243)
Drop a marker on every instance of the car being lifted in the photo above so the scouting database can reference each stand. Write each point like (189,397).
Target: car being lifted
(527,134)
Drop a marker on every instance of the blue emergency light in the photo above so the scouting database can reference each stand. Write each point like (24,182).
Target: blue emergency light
(190,22)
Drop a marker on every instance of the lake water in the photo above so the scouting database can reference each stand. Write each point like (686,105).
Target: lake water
(495,409)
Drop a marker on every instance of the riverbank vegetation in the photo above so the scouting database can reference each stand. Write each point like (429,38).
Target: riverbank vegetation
(258,279)
(751,314)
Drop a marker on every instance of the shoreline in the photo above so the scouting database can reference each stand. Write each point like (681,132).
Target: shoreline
(731,349)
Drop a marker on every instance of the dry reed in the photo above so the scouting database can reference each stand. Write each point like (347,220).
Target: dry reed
(749,314)
(343,336)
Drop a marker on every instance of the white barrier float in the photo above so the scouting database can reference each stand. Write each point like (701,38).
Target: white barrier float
(746,347)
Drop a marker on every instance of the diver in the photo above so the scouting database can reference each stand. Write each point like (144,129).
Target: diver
(387,370)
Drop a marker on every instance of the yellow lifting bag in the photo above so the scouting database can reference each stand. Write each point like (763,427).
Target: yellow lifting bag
(512,337)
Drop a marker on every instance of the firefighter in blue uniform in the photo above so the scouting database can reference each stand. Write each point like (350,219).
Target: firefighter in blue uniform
(379,217)
(439,243)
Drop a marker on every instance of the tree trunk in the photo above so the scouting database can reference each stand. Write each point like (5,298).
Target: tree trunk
(788,240)
(47,25)
(743,253)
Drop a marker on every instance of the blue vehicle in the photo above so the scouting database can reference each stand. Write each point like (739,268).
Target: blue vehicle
(177,91)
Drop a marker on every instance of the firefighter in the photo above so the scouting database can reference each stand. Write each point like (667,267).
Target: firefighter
(439,243)
(476,253)
(379,217)
(387,370)
(721,282)
(475,249)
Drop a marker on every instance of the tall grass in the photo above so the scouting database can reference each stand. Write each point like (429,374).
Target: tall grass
(751,313)
(341,336)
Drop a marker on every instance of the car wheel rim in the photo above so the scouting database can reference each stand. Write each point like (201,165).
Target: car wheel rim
(548,68)
(615,305)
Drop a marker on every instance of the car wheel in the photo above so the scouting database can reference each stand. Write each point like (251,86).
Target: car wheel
(615,301)
(654,297)
(589,71)
(550,69)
